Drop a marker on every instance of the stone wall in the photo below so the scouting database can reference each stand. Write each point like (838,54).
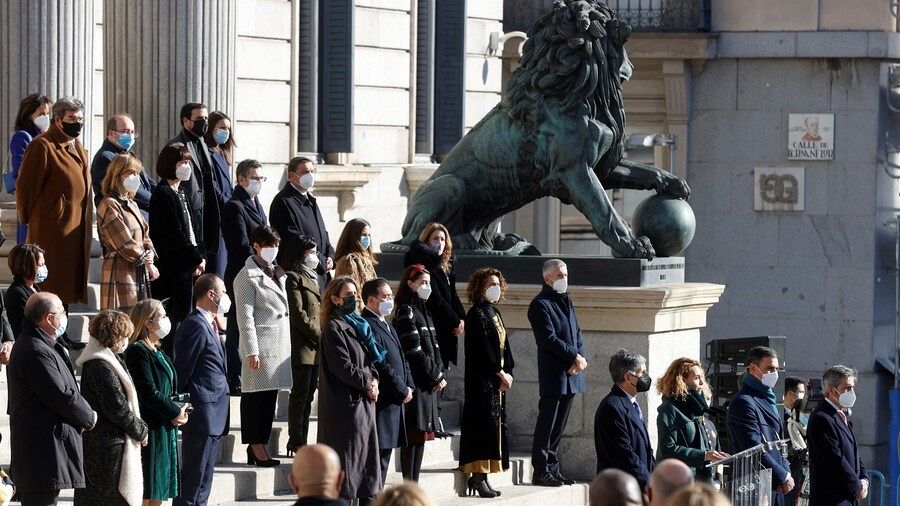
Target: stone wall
(807,275)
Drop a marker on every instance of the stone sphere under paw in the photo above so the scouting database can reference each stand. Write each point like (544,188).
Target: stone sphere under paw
(667,221)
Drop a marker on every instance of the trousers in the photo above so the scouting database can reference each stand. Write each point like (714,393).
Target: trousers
(553,413)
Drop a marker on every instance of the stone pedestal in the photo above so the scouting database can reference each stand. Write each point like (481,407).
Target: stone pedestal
(46,47)
(161,54)
(661,322)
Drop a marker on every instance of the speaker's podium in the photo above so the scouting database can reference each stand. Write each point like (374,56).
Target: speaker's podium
(749,483)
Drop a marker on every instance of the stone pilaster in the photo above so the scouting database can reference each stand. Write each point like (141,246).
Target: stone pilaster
(47,47)
(161,54)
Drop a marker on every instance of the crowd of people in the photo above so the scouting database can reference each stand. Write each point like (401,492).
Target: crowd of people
(205,295)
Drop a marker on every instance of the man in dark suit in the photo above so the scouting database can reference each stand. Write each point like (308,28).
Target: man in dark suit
(120,137)
(620,429)
(294,212)
(753,418)
(837,474)
(395,379)
(560,354)
(46,410)
(201,368)
(316,476)
(199,189)
(242,214)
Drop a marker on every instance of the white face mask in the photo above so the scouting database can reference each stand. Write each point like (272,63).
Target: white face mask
(42,122)
(424,291)
(311,261)
(770,378)
(438,247)
(183,172)
(121,349)
(224,304)
(268,254)
(132,183)
(492,294)
(63,323)
(165,326)
(254,187)
(385,307)
(307,180)
(561,285)
(847,399)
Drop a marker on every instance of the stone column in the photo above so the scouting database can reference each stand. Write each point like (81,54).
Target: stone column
(47,47)
(161,54)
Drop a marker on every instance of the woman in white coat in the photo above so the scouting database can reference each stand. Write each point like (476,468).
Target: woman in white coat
(265,342)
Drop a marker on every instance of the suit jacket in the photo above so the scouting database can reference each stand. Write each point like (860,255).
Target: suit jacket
(558,338)
(293,214)
(620,437)
(200,190)
(14,299)
(750,422)
(100,164)
(46,415)
(394,380)
(170,233)
(202,372)
(834,464)
(241,216)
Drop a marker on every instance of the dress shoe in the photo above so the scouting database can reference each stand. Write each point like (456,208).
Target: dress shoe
(546,480)
(252,460)
(564,480)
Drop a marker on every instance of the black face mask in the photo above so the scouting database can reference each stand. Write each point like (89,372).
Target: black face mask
(643,383)
(200,127)
(72,129)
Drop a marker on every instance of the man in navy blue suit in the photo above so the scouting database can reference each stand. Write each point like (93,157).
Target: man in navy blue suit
(620,429)
(243,213)
(395,379)
(560,354)
(837,474)
(753,418)
(202,372)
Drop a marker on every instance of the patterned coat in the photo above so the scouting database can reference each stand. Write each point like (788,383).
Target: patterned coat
(262,315)
(125,238)
(358,266)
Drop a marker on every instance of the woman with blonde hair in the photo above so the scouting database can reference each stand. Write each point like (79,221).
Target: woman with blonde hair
(353,256)
(405,494)
(128,253)
(681,418)
(154,378)
(698,494)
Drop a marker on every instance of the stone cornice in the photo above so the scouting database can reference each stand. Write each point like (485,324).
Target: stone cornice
(344,181)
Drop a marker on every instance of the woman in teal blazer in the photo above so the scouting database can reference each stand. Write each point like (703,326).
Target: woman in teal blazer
(680,421)
(154,379)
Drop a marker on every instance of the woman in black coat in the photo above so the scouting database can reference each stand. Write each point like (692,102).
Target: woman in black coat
(421,349)
(483,444)
(178,241)
(26,263)
(434,250)
(112,449)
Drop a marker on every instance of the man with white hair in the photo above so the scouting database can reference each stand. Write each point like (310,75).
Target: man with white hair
(837,474)
(560,354)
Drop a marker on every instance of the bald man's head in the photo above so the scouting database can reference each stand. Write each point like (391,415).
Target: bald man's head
(669,476)
(45,311)
(613,487)
(316,472)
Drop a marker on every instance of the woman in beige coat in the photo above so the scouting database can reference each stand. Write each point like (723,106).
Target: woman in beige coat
(128,254)
(264,341)
(353,256)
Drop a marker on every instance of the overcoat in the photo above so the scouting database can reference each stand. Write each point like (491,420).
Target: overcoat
(14,299)
(303,307)
(262,316)
(835,469)
(681,428)
(620,437)
(293,214)
(423,353)
(125,238)
(444,305)
(46,415)
(558,339)
(358,266)
(346,415)
(242,214)
(54,198)
(394,383)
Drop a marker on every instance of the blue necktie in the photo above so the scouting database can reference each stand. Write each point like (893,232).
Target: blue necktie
(638,408)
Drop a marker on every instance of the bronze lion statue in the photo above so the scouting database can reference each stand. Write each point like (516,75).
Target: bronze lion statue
(559,131)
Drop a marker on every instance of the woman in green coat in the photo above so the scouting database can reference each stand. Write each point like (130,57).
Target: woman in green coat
(680,421)
(154,379)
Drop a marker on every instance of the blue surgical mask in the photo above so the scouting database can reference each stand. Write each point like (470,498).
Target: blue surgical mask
(221,136)
(365,241)
(804,419)
(41,275)
(126,141)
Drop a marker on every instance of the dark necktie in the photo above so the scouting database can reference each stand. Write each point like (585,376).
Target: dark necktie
(844,418)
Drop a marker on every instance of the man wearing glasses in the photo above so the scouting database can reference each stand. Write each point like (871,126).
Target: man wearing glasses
(243,213)
(120,137)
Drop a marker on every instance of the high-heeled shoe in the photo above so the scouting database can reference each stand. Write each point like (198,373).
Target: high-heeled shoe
(252,460)
(481,487)
(497,492)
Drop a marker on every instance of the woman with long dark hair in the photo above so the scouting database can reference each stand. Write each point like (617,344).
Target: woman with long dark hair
(483,447)
(354,256)
(32,120)
(220,140)
(421,349)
